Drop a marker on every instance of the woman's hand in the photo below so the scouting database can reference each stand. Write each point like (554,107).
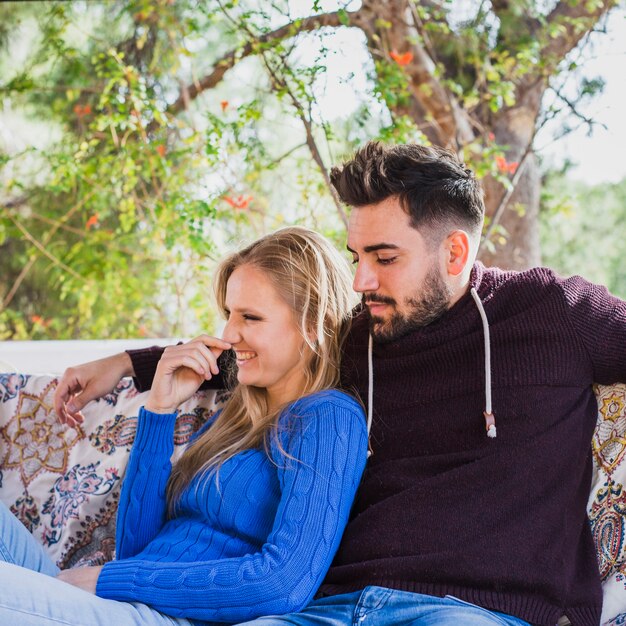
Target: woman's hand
(181,370)
(82,577)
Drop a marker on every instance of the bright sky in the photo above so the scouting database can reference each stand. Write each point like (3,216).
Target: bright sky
(600,157)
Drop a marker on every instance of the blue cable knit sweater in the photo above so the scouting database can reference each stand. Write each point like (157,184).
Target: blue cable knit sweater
(261,541)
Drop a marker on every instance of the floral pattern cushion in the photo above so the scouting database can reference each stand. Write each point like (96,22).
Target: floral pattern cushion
(607,500)
(63,483)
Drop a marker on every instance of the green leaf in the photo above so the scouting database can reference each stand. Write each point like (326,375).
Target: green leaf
(343,17)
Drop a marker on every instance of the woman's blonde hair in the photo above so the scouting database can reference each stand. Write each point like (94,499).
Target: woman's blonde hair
(312,277)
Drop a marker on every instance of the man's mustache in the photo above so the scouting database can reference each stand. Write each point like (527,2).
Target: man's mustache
(374,297)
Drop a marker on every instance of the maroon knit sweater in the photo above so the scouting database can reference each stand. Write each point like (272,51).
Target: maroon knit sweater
(442,508)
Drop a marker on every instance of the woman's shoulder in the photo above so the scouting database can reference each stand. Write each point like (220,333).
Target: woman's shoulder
(323,414)
(328,399)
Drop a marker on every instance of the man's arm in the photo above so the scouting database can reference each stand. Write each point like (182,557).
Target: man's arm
(82,383)
(600,321)
(144,363)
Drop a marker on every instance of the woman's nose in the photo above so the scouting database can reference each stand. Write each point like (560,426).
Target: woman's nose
(231,333)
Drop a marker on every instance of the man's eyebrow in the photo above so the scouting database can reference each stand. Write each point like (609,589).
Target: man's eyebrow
(375,247)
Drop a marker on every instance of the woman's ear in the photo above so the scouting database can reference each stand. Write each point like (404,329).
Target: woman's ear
(457,249)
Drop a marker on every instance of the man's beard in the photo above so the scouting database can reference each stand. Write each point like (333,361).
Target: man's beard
(432,301)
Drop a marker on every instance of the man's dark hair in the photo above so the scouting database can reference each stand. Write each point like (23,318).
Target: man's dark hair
(432,185)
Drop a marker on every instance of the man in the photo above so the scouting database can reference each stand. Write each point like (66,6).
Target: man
(472,505)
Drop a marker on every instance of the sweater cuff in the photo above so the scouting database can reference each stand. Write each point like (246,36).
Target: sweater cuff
(117,581)
(155,432)
(131,580)
(144,365)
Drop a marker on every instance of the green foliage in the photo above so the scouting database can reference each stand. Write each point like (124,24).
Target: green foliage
(126,212)
(111,221)
(582,230)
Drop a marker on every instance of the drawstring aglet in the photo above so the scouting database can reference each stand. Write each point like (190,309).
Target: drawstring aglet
(490,424)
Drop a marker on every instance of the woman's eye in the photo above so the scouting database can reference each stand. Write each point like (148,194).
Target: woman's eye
(251,318)
(387,261)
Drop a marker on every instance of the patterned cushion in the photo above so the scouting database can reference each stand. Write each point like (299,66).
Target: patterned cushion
(63,483)
(607,500)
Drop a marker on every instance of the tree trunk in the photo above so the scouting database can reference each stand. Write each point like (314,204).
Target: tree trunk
(519,247)
(516,242)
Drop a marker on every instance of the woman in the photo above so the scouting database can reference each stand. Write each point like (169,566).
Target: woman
(247,522)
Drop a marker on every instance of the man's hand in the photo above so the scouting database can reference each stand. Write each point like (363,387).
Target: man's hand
(82,383)
(84,578)
(181,370)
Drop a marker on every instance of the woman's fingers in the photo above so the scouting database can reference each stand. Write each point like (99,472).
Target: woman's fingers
(211,348)
(200,354)
(194,362)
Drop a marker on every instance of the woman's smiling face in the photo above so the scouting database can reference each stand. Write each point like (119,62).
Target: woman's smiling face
(264,334)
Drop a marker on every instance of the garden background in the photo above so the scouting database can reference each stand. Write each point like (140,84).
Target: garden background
(142,139)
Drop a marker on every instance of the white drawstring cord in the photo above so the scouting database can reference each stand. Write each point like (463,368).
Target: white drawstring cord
(370,391)
(490,421)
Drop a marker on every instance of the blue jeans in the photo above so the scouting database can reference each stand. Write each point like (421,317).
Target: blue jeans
(30,595)
(378,606)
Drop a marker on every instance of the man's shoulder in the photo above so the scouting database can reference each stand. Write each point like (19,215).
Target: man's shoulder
(529,283)
(536,276)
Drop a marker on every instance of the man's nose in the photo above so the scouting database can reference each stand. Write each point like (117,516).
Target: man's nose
(365,279)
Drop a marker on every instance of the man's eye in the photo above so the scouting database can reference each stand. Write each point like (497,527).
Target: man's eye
(387,261)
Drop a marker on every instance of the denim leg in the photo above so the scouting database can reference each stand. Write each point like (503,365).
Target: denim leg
(30,598)
(379,606)
(455,612)
(330,611)
(19,547)
(415,609)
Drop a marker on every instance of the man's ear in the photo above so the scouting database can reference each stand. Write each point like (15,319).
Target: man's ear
(457,250)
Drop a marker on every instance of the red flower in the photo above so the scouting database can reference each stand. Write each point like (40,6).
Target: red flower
(401,59)
(491,137)
(92,221)
(81,110)
(505,167)
(224,105)
(40,321)
(162,150)
(240,202)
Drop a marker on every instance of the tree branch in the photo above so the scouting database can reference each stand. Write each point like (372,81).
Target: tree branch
(6,300)
(390,27)
(281,83)
(508,193)
(453,122)
(44,251)
(314,22)
(566,13)
(590,122)
(13,203)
